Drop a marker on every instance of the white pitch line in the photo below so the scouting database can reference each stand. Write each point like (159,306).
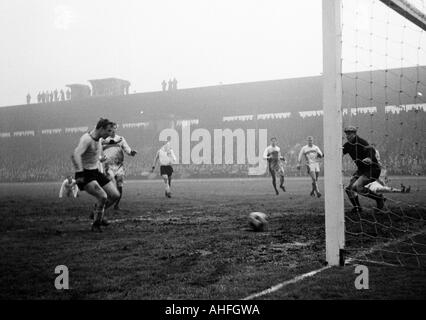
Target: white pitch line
(285,283)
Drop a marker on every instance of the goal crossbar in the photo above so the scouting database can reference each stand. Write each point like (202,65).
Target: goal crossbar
(409,12)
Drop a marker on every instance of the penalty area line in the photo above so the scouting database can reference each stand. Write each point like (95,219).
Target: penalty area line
(286,283)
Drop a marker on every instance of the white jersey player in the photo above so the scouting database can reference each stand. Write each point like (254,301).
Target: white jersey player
(69,187)
(166,157)
(275,163)
(114,148)
(379,187)
(311,154)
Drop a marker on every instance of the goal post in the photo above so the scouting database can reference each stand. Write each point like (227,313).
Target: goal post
(332,123)
(378,52)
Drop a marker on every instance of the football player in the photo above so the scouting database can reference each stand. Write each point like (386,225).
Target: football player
(275,163)
(312,154)
(88,177)
(166,157)
(368,169)
(114,148)
(69,186)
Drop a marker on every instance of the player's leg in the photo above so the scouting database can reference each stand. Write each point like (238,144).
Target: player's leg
(169,181)
(352,195)
(119,182)
(315,180)
(314,183)
(93,188)
(110,187)
(282,182)
(274,180)
(75,192)
(112,193)
(359,187)
(281,173)
(164,172)
(309,171)
(166,184)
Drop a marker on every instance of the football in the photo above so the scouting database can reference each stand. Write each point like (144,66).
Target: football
(258,221)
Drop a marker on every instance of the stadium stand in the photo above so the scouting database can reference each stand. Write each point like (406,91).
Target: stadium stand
(36,140)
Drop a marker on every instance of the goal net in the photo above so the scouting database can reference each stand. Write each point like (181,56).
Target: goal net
(380,98)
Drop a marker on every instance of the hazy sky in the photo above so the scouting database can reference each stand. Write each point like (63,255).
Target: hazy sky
(47,44)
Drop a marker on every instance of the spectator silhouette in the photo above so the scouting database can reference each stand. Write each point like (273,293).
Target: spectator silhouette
(164,85)
(39,97)
(62,95)
(28,98)
(170,88)
(55,95)
(174,84)
(68,94)
(51,96)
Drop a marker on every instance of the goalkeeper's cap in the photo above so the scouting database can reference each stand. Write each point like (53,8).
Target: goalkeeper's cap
(350,129)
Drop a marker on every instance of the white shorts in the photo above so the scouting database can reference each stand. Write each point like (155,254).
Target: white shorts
(314,167)
(375,186)
(116,172)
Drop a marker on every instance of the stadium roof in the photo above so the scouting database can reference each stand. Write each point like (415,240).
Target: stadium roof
(215,102)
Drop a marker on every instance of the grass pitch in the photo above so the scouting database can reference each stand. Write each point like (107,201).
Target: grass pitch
(196,245)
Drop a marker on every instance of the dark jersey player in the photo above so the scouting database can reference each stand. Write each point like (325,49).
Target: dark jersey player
(368,169)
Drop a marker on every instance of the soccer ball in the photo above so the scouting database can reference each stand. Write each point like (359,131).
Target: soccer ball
(258,221)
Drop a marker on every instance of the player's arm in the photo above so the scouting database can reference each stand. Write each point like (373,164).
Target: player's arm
(319,153)
(75,189)
(345,149)
(126,148)
(266,154)
(76,157)
(61,190)
(173,156)
(371,155)
(155,161)
(299,158)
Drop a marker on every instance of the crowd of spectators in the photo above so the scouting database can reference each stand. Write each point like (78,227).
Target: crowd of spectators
(51,96)
(398,137)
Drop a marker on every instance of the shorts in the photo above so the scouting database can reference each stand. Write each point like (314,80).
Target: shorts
(314,167)
(88,176)
(166,170)
(115,172)
(365,179)
(372,173)
(374,186)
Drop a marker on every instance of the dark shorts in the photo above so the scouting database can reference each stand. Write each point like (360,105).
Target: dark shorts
(373,173)
(166,170)
(86,176)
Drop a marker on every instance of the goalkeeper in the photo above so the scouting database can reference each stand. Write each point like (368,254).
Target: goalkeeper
(368,169)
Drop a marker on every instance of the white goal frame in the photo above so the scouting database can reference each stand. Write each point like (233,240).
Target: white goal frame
(332,124)
(332,121)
